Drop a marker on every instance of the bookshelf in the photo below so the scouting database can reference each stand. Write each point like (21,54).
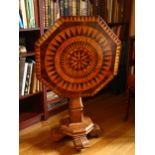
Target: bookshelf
(35,106)
(130,67)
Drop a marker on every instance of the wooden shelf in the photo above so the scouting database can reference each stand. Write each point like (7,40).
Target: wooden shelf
(30,29)
(30,95)
(27,54)
(116,24)
(28,118)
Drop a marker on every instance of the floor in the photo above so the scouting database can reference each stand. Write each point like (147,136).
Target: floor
(108,110)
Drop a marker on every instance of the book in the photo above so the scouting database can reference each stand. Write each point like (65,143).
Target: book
(33,80)
(96,8)
(52,10)
(49,12)
(73,7)
(23,12)
(35,2)
(44,14)
(57,9)
(66,9)
(89,8)
(83,8)
(31,65)
(61,3)
(28,79)
(31,14)
(27,13)
(20,22)
(21,73)
(118,32)
(69,7)
(24,78)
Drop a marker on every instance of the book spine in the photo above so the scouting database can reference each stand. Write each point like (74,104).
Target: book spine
(52,12)
(78,7)
(31,14)
(49,12)
(30,76)
(24,78)
(57,10)
(27,80)
(27,14)
(66,10)
(83,8)
(73,7)
(21,73)
(36,13)
(102,10)
(61,7)
(121,11)
(96,7)
(70,7)
(20,22)
(44,14)
(23,10)
(34,80)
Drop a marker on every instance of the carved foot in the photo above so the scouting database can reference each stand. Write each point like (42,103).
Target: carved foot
(80,142)
(96,132)
(56,134)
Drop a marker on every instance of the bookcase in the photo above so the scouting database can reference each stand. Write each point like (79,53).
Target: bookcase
(37,16)
(130,67)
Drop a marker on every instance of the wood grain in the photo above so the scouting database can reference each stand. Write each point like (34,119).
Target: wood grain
(77,56)
(107,110)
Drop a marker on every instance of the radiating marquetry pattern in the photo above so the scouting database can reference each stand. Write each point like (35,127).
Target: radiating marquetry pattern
(77,56)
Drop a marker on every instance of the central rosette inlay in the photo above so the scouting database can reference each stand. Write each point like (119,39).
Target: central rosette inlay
(78,59)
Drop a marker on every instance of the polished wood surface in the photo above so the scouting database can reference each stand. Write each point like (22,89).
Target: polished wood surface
(107,110)
(77,57)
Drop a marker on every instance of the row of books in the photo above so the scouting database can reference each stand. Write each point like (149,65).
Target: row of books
(28,14)
(52,10)
(110,10)
(115,11)
(28,83)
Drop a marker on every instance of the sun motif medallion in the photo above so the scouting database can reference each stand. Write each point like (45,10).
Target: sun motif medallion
(77,56)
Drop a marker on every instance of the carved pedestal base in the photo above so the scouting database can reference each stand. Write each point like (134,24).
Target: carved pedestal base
(78,131)
(77,126)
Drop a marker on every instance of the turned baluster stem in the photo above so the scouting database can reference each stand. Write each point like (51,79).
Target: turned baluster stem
(76,110)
